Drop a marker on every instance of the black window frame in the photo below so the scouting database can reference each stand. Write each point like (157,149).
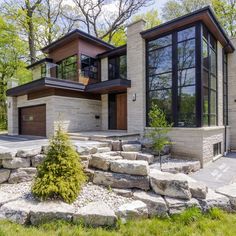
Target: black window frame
(63,69)
(114,71)
(93,63)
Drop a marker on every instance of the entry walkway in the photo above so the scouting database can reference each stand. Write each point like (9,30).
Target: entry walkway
(219,173)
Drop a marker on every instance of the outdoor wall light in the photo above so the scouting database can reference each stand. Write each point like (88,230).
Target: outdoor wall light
(134,97)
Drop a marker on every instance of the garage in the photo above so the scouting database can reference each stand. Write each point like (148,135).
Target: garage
(32,120)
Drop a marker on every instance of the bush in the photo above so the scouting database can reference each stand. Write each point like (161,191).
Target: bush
(60,175)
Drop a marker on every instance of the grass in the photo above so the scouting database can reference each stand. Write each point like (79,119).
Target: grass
(191,222)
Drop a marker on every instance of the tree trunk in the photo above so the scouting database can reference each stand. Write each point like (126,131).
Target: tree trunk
(31,36)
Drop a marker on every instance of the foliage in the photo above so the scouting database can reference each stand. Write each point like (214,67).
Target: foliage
(200,224)
(151,17)
(60,176)
(159,129)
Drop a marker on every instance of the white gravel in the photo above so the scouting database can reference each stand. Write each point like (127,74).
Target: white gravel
(89,193)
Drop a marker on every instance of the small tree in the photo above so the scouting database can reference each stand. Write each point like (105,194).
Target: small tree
(160,128)
(60,176)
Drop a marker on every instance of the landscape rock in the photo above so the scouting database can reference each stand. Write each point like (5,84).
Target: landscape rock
(95,214)
(155,203)
(116,145)
(130,167)
(7,197)
(36,160)
(44,149)
(85,157)
(123,192)
(198,190)
(131,147)
(129,155)
(30,152)
(103,149)
(22,175)
(116,180)
(4,175)
(7,155)
(15,163)
(171,185)
(133,210)
(230,192)
(214,199)
(85,150)
(145,157)
(101,161)
(177,206)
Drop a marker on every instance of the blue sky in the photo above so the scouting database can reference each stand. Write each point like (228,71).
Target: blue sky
(158,4)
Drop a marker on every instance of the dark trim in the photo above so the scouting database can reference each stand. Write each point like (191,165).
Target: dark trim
(44,83)
(46,59)
(74,34)
(199,15)
(114,52)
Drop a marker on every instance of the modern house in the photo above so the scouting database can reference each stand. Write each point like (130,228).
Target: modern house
(187,66)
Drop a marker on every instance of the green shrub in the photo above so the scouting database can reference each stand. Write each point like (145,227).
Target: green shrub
(60,176)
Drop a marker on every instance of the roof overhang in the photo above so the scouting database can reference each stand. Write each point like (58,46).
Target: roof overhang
(114,52)
(76,34)
(43,83)
(205,15)
(44,60)
(109,86)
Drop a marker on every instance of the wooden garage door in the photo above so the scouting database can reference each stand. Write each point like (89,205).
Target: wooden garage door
(33,120)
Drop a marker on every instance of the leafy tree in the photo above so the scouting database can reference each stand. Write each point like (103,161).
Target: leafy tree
(159,130)
(151,17)
(61,175)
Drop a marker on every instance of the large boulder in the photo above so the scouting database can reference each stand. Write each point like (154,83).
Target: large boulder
(7,197)
(102,161)
(214,199)
(116,180)
(171,185)
(103,149)
(230,192)
(177,206)
(155,203)
(22,175)
(16,163)
(129,155)
(95,214)
(145,157)
(133,210)
(123,192)
(29,152)
(4,175)
(6,155)
(130,167)
(132,147)
(38,159)
(86,150)
(116,145)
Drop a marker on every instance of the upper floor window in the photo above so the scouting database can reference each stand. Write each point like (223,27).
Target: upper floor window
(67,68)
(117,67)
(43,70)
(89,67)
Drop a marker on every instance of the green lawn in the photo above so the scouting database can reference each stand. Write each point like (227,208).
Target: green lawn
(191,222)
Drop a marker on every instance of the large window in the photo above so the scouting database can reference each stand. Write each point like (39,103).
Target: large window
(180,76)
(67,68)
(89,67)
(209,78)
(117,67)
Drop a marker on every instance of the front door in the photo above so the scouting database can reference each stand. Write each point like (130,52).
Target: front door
(121,111)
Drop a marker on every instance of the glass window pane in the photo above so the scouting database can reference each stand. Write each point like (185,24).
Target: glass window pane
(213,61)
(186,54)
(186,77)
(212,120)
(186,106)
(212,42)
(205,120)
(163,100)
(205,33)
(160,42)
(205,78)
(186,34)
(213,82)
(205,55)
(123,67)
(205,100)
(160,61)
(213,102)
(160,81)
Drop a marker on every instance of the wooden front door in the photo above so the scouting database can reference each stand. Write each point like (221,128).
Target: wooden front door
(33,120)
(121,111)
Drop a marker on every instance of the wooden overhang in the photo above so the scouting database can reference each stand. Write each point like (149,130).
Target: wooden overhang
(76,34)
(44,60)
(114,52)
(45,83)
(109,86)
(205,15)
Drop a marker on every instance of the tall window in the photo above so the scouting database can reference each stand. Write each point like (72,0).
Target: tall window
(67,68)
(225,89)
(88,67)
(43,70)
(209,79)
(117,67)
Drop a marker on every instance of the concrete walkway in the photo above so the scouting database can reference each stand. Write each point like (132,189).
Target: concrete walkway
(219,173)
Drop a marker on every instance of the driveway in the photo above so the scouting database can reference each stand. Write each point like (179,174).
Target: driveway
(219,173)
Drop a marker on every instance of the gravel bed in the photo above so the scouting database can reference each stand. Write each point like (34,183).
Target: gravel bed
(89,193)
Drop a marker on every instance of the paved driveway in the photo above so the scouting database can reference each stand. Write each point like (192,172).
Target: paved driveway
(219,173)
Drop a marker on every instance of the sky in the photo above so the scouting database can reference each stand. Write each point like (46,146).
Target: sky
(158,4)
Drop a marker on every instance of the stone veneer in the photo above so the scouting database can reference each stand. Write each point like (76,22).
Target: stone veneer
(75,114)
